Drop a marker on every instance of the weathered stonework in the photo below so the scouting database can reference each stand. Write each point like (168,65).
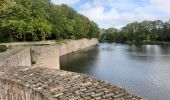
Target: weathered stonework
(26,83)
(43,81)
(43,56)
(48,56)
(75,45)
(22,58)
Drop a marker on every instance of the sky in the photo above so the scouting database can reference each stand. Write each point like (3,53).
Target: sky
(117,13)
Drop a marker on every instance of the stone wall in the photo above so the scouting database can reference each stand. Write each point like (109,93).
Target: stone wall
(38,83)
(75,45)
(22,58)
(47,55)
(43,82)
(10,90)
(43,56)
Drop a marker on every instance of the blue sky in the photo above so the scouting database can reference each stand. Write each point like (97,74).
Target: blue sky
(117,13)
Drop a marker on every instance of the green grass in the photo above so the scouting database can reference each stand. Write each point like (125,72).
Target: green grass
(61,41)
(20,46)
(48,42)
(11,52)
(31,43)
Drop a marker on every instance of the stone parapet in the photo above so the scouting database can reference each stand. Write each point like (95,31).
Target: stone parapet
(22,58)
(26,83)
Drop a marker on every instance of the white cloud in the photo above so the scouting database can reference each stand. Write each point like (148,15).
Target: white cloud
(103,18)
(115,13)
(112,17)
(65,1)
(162,4)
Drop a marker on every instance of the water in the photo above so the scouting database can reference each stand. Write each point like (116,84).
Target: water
(142,69)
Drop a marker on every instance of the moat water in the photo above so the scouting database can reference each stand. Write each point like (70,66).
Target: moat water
(141,69)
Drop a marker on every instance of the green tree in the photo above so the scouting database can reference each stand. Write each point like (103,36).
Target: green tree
(32,20)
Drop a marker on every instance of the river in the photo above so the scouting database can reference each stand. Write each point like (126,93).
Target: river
(141,69)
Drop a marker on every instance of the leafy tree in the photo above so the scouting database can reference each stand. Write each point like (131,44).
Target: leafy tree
(140,32)
(32,20)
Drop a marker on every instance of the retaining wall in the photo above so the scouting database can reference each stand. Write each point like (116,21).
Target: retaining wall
(37,83)
(10,90)
(22,58)
(42,82)
(75,45)
(47,55)
(43,56)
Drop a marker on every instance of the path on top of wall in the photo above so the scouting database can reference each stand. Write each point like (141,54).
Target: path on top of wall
(43,83)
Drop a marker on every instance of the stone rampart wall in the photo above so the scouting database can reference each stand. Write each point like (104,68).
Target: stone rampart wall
(75,45)
(38,83)
(11,90)
(43,56)
(22,58)
(47,55)
(43,82)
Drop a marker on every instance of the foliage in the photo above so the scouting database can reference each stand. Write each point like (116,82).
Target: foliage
(136,32)
(108,35)
(35,20)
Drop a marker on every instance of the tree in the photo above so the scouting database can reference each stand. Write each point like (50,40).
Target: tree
(145,31)
(23,20)
(93,31)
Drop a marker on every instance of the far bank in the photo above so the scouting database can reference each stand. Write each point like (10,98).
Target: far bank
(141,43)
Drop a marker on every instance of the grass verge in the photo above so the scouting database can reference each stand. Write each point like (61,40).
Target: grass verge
(11,52)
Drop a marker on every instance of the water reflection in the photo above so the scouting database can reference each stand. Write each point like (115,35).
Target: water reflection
(81,60)
(165,50)
(142,69)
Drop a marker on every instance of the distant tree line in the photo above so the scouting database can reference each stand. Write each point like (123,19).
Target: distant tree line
(34,20)
(145,31)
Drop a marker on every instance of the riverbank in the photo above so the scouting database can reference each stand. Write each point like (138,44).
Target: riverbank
(142,43)
(149,43)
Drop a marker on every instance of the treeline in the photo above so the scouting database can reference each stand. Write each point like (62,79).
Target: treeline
(34,20)
(146,31)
